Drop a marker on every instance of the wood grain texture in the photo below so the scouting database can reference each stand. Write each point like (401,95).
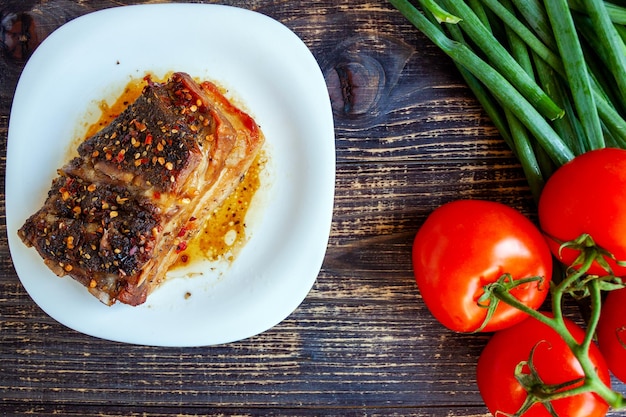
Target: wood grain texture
(409,138)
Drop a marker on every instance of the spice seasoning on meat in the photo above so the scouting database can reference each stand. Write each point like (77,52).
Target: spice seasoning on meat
(124,210)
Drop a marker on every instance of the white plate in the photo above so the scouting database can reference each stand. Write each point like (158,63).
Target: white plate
(266,67)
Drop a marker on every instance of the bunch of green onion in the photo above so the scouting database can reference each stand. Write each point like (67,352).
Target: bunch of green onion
(550,74)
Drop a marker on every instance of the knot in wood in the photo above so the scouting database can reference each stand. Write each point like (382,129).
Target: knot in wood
(18,38)
(355,86)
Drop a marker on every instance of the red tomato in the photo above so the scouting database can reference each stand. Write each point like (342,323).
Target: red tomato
(587,195)
(463,246)
(554,362)
(612,332)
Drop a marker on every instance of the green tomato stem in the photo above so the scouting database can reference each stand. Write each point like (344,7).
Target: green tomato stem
(504,295)
(594,318)
(592,382)
(560,290)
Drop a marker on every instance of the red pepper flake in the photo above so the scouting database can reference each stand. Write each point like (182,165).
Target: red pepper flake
(65,195)
(139,125)
(182,232)
(148,139)
(181,247)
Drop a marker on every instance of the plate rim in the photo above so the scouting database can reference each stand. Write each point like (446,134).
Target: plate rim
(181,8)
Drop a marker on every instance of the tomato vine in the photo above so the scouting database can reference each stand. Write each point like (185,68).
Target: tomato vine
(576,281)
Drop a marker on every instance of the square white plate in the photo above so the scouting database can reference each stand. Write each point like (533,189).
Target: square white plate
(265,67)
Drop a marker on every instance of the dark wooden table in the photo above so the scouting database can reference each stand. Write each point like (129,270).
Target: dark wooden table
(409,137)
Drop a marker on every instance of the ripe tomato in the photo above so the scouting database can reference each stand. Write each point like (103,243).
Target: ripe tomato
(466,244)
(553,361)
(587,195)
(612,332)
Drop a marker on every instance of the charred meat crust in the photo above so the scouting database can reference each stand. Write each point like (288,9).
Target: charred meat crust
(92,231)
(155,142)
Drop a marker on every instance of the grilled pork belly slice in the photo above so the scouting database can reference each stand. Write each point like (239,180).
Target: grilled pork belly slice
(119,213)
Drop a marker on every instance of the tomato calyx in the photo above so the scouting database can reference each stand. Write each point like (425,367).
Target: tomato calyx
(493,293)
(588,253)
(538,391)
(588,249)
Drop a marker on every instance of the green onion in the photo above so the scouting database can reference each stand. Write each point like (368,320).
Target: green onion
(537,19)
(499,86)
(525,33)
(616,13)
(501,59)
(575,70)
(551,75)
(523,141)
(609,42)
(439,12)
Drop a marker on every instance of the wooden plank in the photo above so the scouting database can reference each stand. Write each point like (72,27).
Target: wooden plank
(182,411)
